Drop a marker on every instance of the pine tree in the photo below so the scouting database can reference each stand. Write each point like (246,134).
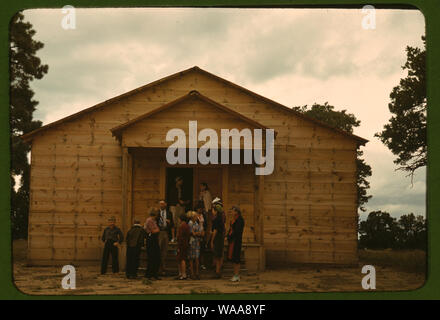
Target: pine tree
(25,66)
(405,134)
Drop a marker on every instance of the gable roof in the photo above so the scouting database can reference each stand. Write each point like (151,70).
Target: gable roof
(28,136)
(117,131)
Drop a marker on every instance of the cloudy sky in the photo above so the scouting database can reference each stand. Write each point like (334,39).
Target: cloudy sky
(293,56)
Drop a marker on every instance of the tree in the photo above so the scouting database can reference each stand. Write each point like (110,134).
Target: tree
(381,231)
(344,121)
(405,134)
(25,66)
(378,231)
(412,232)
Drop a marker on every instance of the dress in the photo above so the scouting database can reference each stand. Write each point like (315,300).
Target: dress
(235,239)
(194,242)
(218,225)
(183,236)
(153,249)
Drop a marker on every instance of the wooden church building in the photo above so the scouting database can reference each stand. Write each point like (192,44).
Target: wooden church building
(110,160)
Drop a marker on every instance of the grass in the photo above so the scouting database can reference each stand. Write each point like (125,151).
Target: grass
(404,260)
(331,281)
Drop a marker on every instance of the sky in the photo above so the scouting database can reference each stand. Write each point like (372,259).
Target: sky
(293,56)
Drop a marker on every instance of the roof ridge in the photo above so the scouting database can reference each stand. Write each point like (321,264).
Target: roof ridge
(286,108)
(190,95)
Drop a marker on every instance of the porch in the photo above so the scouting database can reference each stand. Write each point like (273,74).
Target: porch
(146,177)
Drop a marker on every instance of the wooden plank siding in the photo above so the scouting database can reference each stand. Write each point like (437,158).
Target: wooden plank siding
(308,204)
(146,181)
(241,193)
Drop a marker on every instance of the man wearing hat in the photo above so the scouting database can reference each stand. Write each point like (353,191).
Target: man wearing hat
(135,241)
(179,202)
(112,238)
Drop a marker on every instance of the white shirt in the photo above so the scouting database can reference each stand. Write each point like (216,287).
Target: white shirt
(207,199)
(163,218)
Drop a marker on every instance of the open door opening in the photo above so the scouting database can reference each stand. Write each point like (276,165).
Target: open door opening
(192,178)
(212,176)
(188,183)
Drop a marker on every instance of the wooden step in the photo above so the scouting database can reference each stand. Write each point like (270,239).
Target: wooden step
(171,262)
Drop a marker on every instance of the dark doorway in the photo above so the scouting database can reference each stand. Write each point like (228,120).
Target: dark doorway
(187,174)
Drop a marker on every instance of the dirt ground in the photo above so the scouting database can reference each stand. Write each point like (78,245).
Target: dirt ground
(47,280)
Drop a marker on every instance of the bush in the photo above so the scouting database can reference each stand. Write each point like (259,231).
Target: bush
(381,231)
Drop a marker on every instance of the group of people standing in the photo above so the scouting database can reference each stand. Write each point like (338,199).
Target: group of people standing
(199,232)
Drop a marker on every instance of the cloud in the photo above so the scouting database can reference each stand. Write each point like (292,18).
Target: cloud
(392,190)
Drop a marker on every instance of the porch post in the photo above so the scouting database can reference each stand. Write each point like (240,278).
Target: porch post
(127,176)
(225,182)
(259,230)
(258,252)
(162,180)
(127,213)
(261,216)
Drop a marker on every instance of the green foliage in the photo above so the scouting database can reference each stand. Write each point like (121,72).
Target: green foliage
(25,66)
(412,232)
(378,231)
(405,134)
(381,231)
(344,121)
(326,113)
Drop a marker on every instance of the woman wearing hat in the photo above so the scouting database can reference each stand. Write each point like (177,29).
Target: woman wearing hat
(217,237)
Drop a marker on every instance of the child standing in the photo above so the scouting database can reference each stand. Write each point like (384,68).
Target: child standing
(196,231)
(183,235)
